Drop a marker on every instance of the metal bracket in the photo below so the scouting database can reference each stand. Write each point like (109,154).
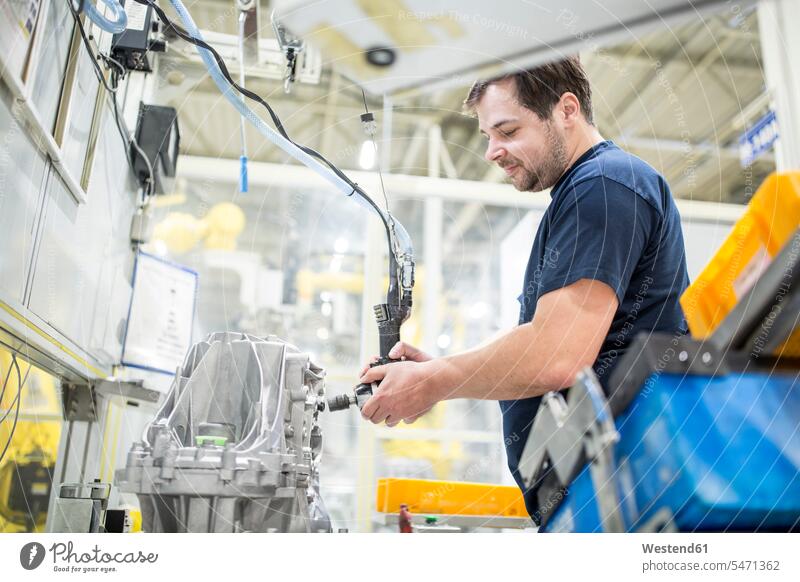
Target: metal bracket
(128,390)
(291,47)
(79,400)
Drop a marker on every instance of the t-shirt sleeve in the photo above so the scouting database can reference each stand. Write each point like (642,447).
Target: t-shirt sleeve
(599,231)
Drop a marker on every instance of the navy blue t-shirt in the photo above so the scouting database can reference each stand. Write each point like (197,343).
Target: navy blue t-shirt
(612,219)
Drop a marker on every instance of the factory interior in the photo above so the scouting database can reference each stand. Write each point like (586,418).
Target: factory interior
(214,214)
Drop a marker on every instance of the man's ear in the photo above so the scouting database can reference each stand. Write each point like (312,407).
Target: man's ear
(570,108)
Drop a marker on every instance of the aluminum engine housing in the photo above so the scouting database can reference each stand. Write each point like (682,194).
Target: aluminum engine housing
(236,445)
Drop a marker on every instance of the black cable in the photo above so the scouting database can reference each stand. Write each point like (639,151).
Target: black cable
(5,383)
(100,75)
(393,295)
(18,400)
(14,362)
(183,34)
(377,157)
(14,365)
(130,144)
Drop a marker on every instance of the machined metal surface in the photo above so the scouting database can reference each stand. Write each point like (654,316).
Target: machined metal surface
(79,508)
(74,516)
(236,445)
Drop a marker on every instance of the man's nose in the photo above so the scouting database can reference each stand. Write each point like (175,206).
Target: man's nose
(493,152)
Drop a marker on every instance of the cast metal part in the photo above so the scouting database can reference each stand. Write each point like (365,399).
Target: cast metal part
(236,445)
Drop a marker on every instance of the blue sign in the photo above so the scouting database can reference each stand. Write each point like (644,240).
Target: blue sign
(758,139)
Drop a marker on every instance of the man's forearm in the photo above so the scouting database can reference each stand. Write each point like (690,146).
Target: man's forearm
(516,365)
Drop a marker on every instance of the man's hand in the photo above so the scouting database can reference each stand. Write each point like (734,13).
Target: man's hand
(401,351)
(407,390)
(566,334)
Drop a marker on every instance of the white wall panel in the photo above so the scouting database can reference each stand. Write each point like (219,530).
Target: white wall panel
(51,61)
(83,97)
(22,170)
(81,281)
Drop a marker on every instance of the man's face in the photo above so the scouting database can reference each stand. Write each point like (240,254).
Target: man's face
(532,152)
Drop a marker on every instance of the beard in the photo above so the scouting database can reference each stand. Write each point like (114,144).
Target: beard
(538,175)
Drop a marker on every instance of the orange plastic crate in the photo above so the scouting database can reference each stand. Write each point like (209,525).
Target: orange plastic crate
(770,220)
(449,498)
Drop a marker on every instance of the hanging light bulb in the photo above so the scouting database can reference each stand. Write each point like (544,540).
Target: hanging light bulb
(341,245)
(366,159)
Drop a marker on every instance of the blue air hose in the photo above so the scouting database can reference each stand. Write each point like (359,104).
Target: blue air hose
(120,22)
(403,239)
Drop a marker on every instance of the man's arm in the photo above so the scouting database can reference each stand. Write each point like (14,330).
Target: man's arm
(566,334)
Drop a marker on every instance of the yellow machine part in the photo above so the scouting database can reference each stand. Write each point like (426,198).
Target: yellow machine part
(771,218)
(136,521)
(219,229)
(33,449)
(449,498)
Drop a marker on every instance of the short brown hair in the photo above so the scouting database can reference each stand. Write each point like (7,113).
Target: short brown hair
(540,88)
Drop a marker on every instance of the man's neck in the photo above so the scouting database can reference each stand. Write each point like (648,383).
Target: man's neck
(587,137)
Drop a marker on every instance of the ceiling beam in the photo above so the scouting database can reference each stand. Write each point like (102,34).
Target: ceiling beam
(200,84)
(447,162)
(677,146)
(467,157)
(677,88)
(329,114)
(636,53)
(226,171)
(418,140)
(693,59)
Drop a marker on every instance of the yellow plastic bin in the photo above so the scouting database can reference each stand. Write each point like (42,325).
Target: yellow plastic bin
(771,218)
(449,498)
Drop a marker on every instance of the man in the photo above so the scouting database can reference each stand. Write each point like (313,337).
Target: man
(608,260)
